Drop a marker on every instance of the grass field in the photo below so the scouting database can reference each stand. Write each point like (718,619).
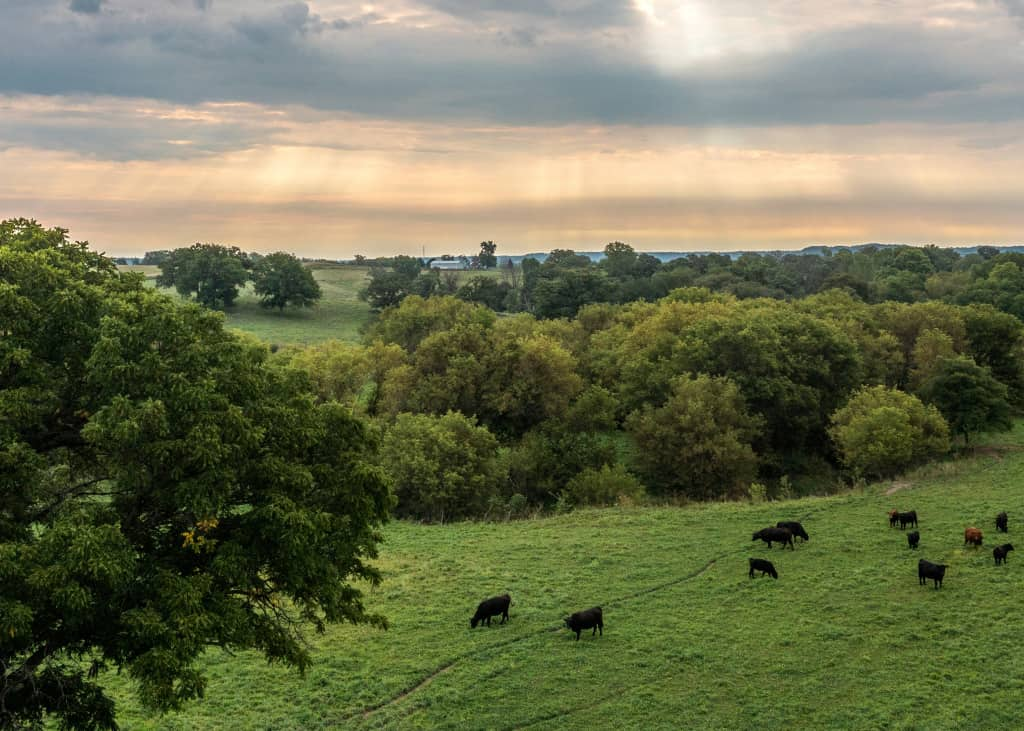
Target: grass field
(844,639)
(340,314)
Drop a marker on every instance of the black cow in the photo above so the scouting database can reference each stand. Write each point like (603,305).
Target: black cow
(928,570)
(777,535)
(906,519)
(491,608)
(912,538)
(999,552)
(795,528)
(586,619)
(1001,523)
(764,566)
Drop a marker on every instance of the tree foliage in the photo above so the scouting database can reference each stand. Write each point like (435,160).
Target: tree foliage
(162,489)
(486,259)
(211,273)
(882,431)
(280,279)
(969,397)
(698,444)
(443,467)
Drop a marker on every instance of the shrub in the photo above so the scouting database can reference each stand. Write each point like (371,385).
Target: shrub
(443,467)
(606,486)
(882,431)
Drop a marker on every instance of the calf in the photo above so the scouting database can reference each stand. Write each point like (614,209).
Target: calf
(777,535)
(908,518)
(999,552)
(912,538)
(793,527)
(928,570)
(579,621)
(894,517)
(764,566)
(491,608)
(1001,522)
(972,536)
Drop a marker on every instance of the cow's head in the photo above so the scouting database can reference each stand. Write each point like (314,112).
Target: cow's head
(472,622)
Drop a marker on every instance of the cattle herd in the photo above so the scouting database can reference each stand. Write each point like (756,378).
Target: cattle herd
(785,531)
(782,533)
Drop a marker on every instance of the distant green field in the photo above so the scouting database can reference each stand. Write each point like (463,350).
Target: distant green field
(339,315)
(844,639)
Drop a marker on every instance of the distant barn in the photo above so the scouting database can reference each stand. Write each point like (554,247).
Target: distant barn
(449,264)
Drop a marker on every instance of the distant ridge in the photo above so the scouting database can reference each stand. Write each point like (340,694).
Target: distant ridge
(813,250)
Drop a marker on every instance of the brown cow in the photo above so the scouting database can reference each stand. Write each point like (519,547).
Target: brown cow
(972,536)
(893,518)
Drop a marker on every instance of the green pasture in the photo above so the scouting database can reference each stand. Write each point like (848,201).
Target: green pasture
(338,316)
(846,638)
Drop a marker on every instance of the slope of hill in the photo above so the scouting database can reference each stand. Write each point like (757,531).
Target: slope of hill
(845,638)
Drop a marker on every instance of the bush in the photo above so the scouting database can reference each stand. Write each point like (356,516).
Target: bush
(606,486)
(443,467)
(882,431)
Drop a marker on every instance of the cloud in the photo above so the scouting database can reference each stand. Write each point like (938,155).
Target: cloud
(89,7)
(535,62)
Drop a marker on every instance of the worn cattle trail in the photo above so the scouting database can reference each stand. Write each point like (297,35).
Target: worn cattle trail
(397,699)
(368,713)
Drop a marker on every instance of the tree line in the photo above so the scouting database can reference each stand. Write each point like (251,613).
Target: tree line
(566,281)
(696,396)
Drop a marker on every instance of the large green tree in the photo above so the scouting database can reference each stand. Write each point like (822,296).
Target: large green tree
(881,431)
(162,490)
(698,444)
(970,398)
(280,279)
(211,273)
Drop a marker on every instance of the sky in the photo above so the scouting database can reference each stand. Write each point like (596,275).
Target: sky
(336,127)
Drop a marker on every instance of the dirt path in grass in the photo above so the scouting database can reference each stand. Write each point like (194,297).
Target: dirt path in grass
(897,486)
(369,712)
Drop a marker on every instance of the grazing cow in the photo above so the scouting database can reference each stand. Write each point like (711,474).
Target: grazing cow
(793,527)
(894,517)
(778,535)
(579,621)
(999,552)
(928,570)
(912,538)
(1001,523)
(908,518)
(972,536)
(491,608)
(764,566)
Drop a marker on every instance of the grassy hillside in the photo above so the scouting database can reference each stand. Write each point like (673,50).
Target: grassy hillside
(845,638)
(339,315)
